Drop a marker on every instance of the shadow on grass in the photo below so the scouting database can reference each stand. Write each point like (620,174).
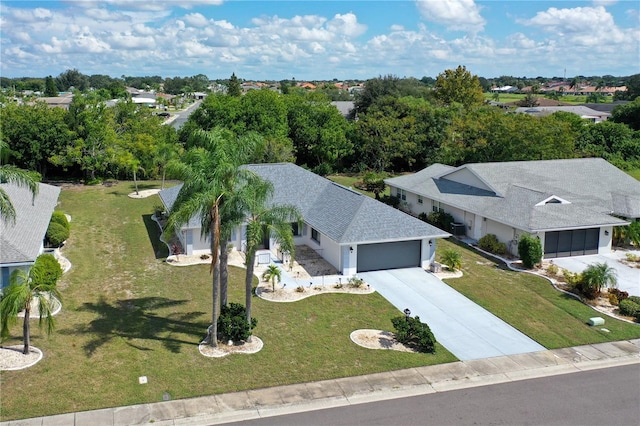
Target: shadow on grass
(135,320)
(160,249)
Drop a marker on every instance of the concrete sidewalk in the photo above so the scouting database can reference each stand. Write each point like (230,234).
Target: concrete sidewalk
(217,409)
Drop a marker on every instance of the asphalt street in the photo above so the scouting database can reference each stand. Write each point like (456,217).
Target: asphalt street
(609,396)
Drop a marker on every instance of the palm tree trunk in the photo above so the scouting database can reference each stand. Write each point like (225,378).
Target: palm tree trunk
(248,284)
(26,330)
(215,270)
(224,276)
(135,181)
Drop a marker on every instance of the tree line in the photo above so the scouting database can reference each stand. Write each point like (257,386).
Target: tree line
(396,125)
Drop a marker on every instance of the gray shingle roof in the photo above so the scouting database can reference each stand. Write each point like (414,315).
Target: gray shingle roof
(21,242)
(168,197)
(342,214)
(594,189)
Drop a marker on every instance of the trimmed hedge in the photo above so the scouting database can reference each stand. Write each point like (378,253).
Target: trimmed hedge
(57,234)
(47,269)
(61,218)
(630,307)
(530,251)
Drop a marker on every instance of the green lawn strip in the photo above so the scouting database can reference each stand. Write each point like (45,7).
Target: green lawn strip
(634,173)
(531,304)
(349,180)
(127,314)
(569,99)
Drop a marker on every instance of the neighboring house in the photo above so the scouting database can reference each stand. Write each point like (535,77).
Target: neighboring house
(571,205)
(582,111)
(346,108)
(23,241)
(351,231)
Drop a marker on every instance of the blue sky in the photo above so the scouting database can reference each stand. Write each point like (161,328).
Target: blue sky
(317,40)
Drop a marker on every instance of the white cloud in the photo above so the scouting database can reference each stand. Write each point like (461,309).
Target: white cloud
(461,15)
(196,19)
(346,24)
(586,26)
(604,2)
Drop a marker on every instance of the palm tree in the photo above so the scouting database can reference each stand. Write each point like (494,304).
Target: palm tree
(597,276)
(24,287)
(212,181)
(12,174)
(272,273)
(263,221)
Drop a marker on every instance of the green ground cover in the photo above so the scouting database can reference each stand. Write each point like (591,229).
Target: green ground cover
(531,304)
(126,313)
(349,180)
(514,97)
(635,173)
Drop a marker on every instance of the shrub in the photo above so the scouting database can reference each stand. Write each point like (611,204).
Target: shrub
(635,299)
(57,234)
(441,220)
(491,244)
(412,332)
(391,201)
(572,279)
(613,299)
(452,258)
(47,269)
(61,218)
(629,308)
(423,217)
(300,289)
(552,269)
(232,323)
(632,257)
(323,169)
(530,251)
(620,295)
(595,277)
(355,282)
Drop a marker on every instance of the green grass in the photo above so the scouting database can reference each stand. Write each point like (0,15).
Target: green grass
(531,304)
(634,173)
(514,97)
(126,314)
(349,180)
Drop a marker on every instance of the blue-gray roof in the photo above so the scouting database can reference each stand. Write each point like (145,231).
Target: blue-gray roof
(168,197)
(20,242)
(344,215)
(512,192)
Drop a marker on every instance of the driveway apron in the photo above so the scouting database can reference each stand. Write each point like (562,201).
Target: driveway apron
(464,328)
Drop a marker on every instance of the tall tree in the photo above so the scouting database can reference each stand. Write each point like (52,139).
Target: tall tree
(234,86)
(212,178)
(266,221)
(458,86)
(12,174)
(24,287)
(50,89)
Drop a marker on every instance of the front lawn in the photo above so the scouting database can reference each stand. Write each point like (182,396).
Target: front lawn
(126,314)
(531,304)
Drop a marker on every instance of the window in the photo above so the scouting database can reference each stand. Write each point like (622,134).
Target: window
(419,199)
(315,235)
(297,231)
(402,194)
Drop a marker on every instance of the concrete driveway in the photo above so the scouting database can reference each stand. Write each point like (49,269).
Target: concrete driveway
(464,328)
(628,277)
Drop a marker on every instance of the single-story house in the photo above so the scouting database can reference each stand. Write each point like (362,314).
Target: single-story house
(571,205)
(581,111)
(23,241)
(351,231)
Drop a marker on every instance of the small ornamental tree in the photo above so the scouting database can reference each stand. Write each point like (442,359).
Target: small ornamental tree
(412,332)
(530,251)
(452,258)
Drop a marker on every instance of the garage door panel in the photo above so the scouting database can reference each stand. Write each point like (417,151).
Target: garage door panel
(571,243)
(399,254)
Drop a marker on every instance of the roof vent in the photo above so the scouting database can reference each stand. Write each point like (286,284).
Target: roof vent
(552,200)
